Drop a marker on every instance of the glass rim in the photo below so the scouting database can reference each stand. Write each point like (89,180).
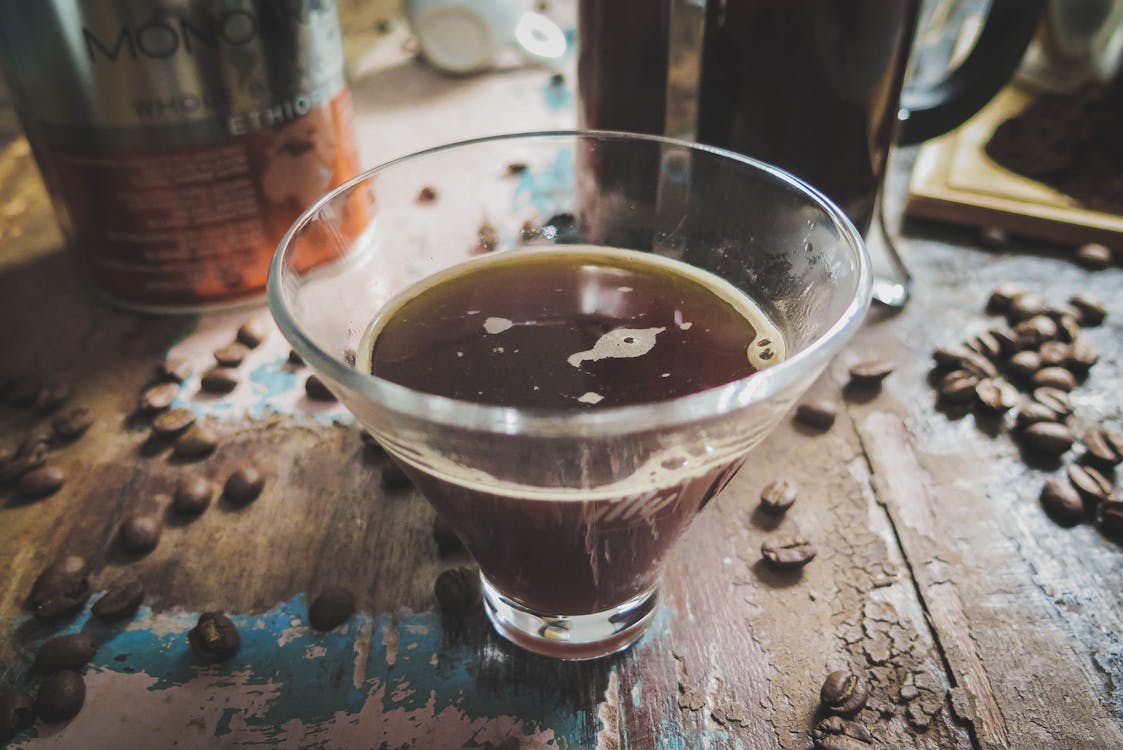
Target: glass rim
(556,422)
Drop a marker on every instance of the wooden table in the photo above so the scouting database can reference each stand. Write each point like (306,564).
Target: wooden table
(979,622)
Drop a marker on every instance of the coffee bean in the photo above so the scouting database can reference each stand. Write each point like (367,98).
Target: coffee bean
(174,369)
(231,355)
(72,424)
(28,458)
(172,422)
(1008,341)
(24,389)
(121,600)
(1055,354)
(244,485)
(1061,501)
(17,712)
(192,495)
(1092,311)
(1054,377)
(198,441)
(427,194)
(1103,447)
(60,697)
(1047,438)
(219,380)
(1024,364)
(487,238)
(333,607)
(1055,399)
(63,574)
(844,692)
(958,387)
(214,637)
(252,333)
(777,496)
(1093,486)
(1068,329)
(788,552)
(1094,256)
(1024,307)
(445,537)
(1003,296)
(978,365)
(51,396)
(159,397)
(950,357)
(41,482)
(1109,517)
(516,168)
(871,372)
(1081,358)
(457,590)
(1035,331)
(295,359)
(139,533)
(996,395)
(836,733)
(986,345)
(393,478)
(1032,412)
(818,414)
(72,651)
(315,389)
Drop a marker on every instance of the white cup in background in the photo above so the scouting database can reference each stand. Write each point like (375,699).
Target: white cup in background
(464,36)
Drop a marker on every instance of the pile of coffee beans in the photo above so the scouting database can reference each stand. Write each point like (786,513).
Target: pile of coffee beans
(28,464)
(1028,365)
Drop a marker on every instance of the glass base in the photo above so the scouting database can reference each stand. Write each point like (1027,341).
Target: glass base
(570,637)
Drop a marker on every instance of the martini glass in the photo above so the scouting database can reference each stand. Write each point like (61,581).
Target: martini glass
(570,512)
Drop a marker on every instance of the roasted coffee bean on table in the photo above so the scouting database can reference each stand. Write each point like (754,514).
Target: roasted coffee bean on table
(198,441)
(60,590)
(174,369)
(1031,412)
(159,397)
(121,600)
(1055,353)
(1055,399)
(457,590)
(1035,331)
(1103,446)
(870,372)
(252,333)
(788,552)
(958,387)
(844,692)
(173,421)
(72,651)
(1054,377)
(214,637)
(1081,358)
(140,532)
(986,344)
(1007,340)
(1024,364)
(1024,307)
(192,495)
(837,733)
(41,482)
(818,414)
(61,696)
(1093,486)
(996,395)
(331,608)
(295,359)
(949,357)
(1061,500)
(30,455)
(244,485)
(73,423)
(777,496)
(231,355)
(315,389)
(219,380)
(1092,311)
(1109,517)
(17,712)
(1094,256)
(978,365)
(1047,438)
(1003,296)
